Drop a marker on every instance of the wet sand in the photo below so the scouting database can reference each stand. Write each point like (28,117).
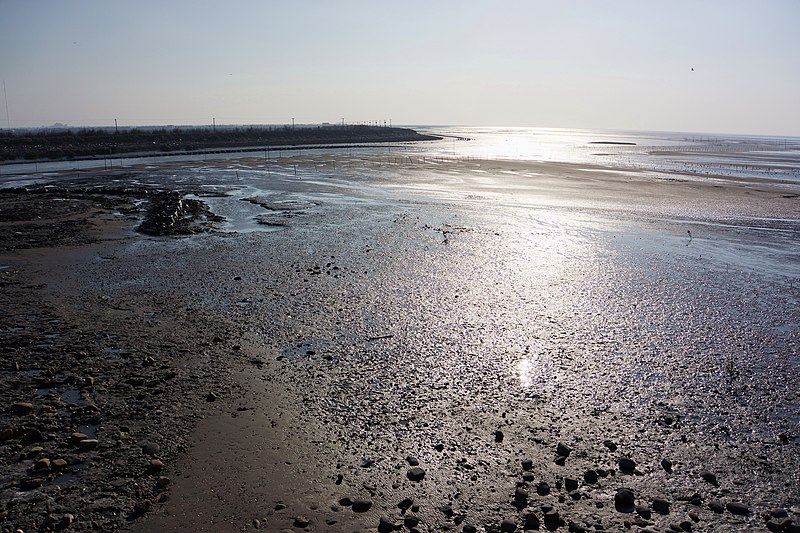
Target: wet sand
(470,316)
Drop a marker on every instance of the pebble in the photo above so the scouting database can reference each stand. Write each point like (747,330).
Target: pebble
(87,444)
(156,465)
(779,512)
(387,524)
(520,494)
(563,450)
(590,477)
(716,507)
(661,506)
(552,520)
(624,500)
(508,526)
(405,504)
(527,464)
(570,484)
(58,464)
(708,476)
(416,474)
(211,396)
(530,521)
(643,511)
(346,501)
(412,461)
(30,483)
(34,435)
(543,488)
(498,436)
(737,508)
(469,528)
(361,505)
(561,460)
(21,408)
(151,448)
(77,437)
(6,434)
(610,445)
(627,465)
(301,521)
(42,464)
(666,464)
(67,519)
(410,521)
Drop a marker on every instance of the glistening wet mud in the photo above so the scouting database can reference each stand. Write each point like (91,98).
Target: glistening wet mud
(564,367)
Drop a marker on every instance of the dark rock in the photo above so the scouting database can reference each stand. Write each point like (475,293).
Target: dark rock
(6,434)
(446,510)
(570,484)
(779,524)
(627,465)
(21,408)
(610,445)
(694,516)
(211,396)
(33,435)
(412,461)
(563,450)
(416,474)
(686,525)
(716,507)
(552,520)
(737,508)
(151,448)
(520,494)
(624,501)
(469,528)
(439,447)
(163,482)
(530,521)
(643,511)
(498,436)
(410,521)
(543,489)
(779,512)
(508,526)
(405,504)
(301,521)
(783,438)
(87,444)
(527,464)
(696,499)
(661,506)
(666,464)
(346,501)
(386,524)
(708,476)
(30,483)
(590,477)
(561,460)
(361,506)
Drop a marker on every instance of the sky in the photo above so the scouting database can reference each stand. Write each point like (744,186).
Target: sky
(570,64)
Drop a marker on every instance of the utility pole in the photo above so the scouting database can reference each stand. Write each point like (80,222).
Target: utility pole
(116,129)
(214,125)
(5,96)
(292,123)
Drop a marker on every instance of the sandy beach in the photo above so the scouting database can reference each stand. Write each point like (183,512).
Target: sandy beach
(397,343)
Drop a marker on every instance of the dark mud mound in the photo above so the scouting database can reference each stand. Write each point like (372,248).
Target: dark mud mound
(171,214)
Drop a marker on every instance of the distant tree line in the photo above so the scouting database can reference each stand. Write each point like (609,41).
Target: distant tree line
(89,142)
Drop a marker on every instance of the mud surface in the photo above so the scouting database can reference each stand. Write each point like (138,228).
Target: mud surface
(388,358)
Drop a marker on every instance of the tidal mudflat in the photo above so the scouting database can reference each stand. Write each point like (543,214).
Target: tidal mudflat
(386,342)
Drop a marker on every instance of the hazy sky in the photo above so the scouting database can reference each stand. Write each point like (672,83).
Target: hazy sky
(561,63)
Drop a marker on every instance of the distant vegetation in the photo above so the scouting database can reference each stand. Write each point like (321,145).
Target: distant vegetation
(93,143)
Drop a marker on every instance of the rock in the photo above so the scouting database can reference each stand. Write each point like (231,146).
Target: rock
(361,506)
(610,445)
(410,521)
(530,522)
(498,436)
(779,512)
(387,524)
(737,508)
(346,501)
(77,437)
(280,506)
(151,448)
(520,494)
(256,523)
(301,521)
(87,444)
(42,464)
(405,504)
(162,482)
(469,528)
(590,477)
(624,501)
(33,435)
(58,464)
(685,525)
(570,484)
(778,525)
(367,463)
(156,465)
(708,476)
(552,520)
(66,520)
(439,447)
(21,408)
(508,526)
(6,434)
(416,474)
(716,506)
(412,461)
(88,381)
(626,465)
(543,488)
(563,450)
(211,396)
(561,460)
(527,465)
(528,476)
(661,506)
(446,510)
(666,464)
(30,483)
(783,438)
(694,516)
(643,511)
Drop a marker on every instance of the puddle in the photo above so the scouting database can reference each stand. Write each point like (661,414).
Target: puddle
(46,391)
(71,396)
